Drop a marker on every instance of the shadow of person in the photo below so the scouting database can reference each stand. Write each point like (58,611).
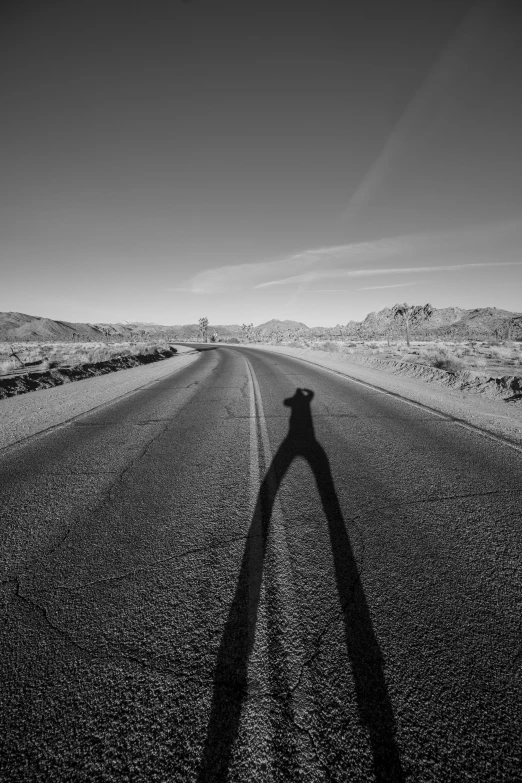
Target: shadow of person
(231,672)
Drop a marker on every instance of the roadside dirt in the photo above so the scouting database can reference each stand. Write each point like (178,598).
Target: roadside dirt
(506,387)
(494,405)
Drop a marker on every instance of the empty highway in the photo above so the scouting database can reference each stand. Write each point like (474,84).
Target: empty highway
(258,570)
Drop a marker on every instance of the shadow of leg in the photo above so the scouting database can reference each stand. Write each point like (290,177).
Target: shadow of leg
(231,673)
(373,700)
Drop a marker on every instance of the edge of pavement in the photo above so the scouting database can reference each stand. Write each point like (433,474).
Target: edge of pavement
(497,418)
(26,415)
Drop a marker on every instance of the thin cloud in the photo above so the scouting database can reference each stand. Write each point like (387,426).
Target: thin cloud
(310,277)
(248,276)
(465,45)
(472,246)
(392,285)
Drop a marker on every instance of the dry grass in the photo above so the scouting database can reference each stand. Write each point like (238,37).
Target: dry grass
(8,366)
(43,356)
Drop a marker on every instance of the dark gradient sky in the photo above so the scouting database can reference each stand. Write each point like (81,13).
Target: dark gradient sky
(246,160)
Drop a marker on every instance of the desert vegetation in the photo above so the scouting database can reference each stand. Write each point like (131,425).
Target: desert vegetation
(474,357)
(36,356)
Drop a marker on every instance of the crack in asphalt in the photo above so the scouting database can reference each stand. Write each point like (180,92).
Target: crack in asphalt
(317,646)
(56,547)
(142,663)
(440,499)
(109,496)
(156,564)
(309,734)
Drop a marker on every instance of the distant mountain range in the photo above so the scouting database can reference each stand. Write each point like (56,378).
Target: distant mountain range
(446,323)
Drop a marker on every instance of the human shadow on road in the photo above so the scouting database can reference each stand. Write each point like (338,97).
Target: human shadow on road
(231,673)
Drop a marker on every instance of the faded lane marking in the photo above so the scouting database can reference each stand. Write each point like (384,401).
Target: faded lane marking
(254,448)
(277,568)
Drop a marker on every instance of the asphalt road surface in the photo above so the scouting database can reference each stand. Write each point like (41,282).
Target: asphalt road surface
(255,569)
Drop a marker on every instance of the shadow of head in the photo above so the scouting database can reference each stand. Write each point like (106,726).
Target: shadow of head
(301,423)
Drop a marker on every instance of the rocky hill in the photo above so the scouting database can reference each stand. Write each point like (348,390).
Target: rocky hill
(21,327)
(446,323)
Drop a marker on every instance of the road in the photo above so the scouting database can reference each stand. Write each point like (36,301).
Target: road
(258,570)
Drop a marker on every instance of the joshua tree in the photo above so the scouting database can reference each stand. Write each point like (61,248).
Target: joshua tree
(248,332)
(15,355)
(412,314)
(203,329)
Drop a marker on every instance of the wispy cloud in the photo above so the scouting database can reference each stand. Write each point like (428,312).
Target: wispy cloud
(251,276)
(392,285)
(311,277)
(474,247)
(465,46)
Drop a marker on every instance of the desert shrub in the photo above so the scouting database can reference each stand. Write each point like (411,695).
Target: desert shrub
(328,345)
(448,362)
(8,366)
(502,352)
(478,361)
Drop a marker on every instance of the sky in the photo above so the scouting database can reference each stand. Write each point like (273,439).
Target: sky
(253,159)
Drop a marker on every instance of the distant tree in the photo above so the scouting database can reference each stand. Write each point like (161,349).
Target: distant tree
(203,329)
(214,337)
(515,328)
(248,332)
(390,331)
(412,314)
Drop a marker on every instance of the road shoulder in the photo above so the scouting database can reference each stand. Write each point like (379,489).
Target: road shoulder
(29,414)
